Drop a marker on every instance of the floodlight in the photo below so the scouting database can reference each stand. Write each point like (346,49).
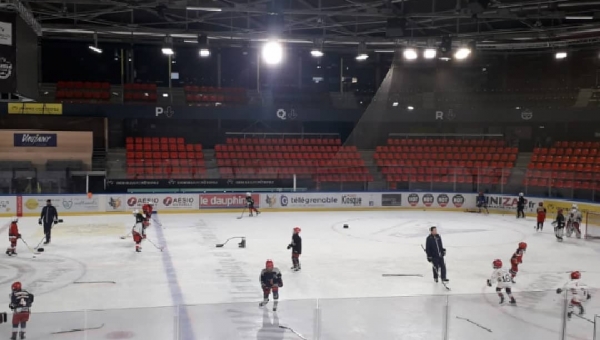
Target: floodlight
(429,53)
(362,56)
(95,49)
(410,54)
(316,53)
(394,104)
(462,53)
(272,52)
(167,51)
(410,108)
(560,55)
(204,52)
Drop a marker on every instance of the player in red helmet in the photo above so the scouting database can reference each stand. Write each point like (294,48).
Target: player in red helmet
(503,280)
(270,280)
(20,303)
(13,236)
(296,247)
(147,209)
(577,292)
(517,259)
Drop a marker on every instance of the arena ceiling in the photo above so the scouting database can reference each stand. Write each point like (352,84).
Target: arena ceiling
(337,24)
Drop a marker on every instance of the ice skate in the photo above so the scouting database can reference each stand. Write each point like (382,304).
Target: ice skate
(501,299)
(436,280)
(257,213)
(22,335)
(250,215)
(263,303)
(513,301)
(275,306)
(14,336)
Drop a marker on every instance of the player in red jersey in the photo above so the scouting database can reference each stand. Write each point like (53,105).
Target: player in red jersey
(13,236)
(517,259)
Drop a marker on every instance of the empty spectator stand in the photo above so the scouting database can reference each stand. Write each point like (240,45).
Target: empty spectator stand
(208,95)
(79,91)
(163,157)
(445,164)
(322,159)
(566,166)
(139,92)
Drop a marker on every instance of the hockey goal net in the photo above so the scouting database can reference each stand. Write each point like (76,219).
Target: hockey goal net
(592,225)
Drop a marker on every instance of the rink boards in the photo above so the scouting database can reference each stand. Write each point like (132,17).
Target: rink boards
(31,205)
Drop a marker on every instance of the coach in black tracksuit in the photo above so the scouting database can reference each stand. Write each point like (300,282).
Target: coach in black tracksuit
(435,254)
(48,218)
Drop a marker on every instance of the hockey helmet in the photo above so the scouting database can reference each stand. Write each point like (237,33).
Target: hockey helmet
(14,219)
(521,194)
(135,212)
(248,194)
(541,204)
(576,275)
(574,206)
(297,229)
(522,245)
(497,263)
(269,264)
(16,286)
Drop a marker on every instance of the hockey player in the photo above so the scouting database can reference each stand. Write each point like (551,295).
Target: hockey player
(20,304)
(521,206)
(541,217)
(13,236)
(250,203)
(270,280)
(574,222)
(481,202)
(139,230)
(578,293)
(296,247)
(435,254)
(517,259)
(503,280)
(559,225)
(148,210)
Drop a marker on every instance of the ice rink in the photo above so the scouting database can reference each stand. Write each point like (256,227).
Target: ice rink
(90,277)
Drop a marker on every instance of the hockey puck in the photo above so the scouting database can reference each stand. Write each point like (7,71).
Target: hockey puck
(345,226)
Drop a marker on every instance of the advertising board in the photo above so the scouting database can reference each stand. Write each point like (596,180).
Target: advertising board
(438,200)
(509,203)
(224,201)
(321,200)
(63,203)
(161,201)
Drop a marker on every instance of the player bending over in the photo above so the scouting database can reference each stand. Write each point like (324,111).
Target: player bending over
(574,222)
(139,230)
(13,236)
(578,293)
(517,259)
(481,203)
(147,209)
(503,281)
(296,247)
(270,280)
(559,225)
(541,217)
(250,203)
(20,303)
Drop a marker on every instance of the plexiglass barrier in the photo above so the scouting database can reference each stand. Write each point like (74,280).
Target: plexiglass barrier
(536,316)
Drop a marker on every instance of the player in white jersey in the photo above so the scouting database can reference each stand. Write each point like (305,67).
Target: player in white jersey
(574,222)
(503,280)
(577,292)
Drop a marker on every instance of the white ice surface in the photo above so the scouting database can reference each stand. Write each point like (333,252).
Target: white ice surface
(339,294)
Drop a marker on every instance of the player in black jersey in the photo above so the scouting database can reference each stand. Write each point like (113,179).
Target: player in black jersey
(250,203)
(270,280)
(20,303)
(296,247)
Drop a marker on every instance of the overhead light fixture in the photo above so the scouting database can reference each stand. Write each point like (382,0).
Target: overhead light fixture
(445,58)
(410,108)
(362,56)
(429,53)
(410,54)
(95,49)
(362,52)
(316,53)
(205,9)
(560,55)
(272,52)
(95,46)
(394,104)
(579,17)
(204,52)
(384,51)
(462,53)
(167,48)
(167,51)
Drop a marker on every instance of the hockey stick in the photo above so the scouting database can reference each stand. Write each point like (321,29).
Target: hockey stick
(84,282)
(242,215)
(220,245)
(293,331)
(38,245)
(436,269)
(126,236)
(386,275)
(79,330)
(475,323)
(155,246)
(584,318)
(31,250)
